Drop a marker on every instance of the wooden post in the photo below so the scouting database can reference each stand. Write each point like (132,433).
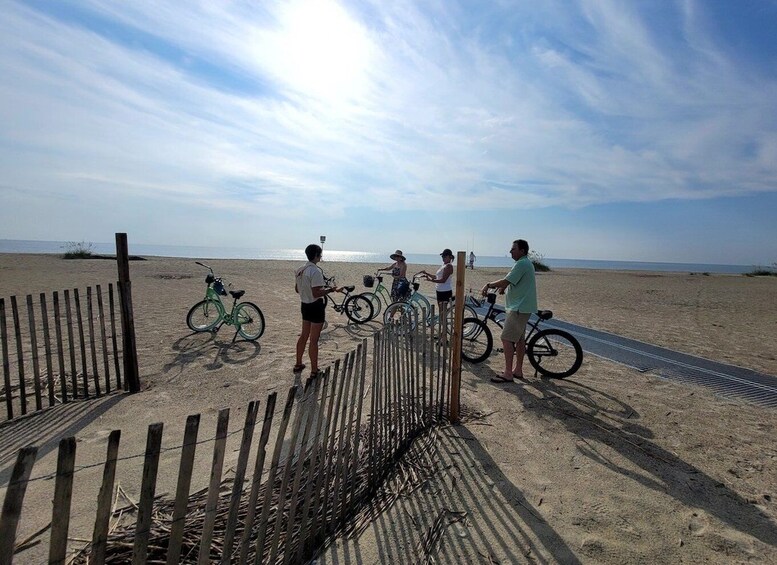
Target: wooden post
(147,489)
(103,516)
(82,342)
(19,354)
(182,489)
(34,348)
(92,346)
(130,352)
(456,342)
(104,339)
(63,493)
(12,505)
(212,502)
(71,345)
(6,366)
(60,348)
(44,314)
(113,336)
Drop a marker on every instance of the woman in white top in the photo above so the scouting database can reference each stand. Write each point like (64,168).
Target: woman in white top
(444,280)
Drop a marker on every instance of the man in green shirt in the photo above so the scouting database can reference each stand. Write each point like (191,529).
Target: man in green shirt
(521,302)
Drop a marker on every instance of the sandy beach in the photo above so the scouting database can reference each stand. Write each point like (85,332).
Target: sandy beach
(611,466)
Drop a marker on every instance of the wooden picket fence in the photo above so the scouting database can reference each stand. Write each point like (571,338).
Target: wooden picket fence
(337,441)
(59,348)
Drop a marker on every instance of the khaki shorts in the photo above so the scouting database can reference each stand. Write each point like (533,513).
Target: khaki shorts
(515,326)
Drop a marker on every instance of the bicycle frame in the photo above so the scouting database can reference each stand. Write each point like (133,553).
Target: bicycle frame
(381,292)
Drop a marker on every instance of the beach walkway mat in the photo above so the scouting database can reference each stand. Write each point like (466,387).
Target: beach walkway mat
(726,380)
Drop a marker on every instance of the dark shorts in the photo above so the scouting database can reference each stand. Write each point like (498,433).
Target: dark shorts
(314,312)
(444,296)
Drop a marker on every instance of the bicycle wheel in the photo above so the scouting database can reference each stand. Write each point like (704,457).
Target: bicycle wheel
(358,309)
(249,320)
(554,353)
(204,315)
(469,312)
(377,303)
(402,316)
(477,341)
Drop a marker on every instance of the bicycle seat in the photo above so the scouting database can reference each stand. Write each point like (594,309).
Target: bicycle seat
(236,294)
(544,314)
(349,288)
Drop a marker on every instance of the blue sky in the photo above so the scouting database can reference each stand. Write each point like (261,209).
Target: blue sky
(597,129)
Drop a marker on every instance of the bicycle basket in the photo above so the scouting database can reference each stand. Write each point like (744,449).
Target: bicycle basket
(369,281)
(218,286)
(209,278)
(416,286)
(491,297)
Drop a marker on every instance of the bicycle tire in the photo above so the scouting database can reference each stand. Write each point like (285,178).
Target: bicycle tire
(201,316)
(358,309)
(377,303)
(477,343)
(541,348)
(249,320)
(469,312)
(402,316)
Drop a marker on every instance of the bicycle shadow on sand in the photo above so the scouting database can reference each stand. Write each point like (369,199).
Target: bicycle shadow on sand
(210,351)
(575,405)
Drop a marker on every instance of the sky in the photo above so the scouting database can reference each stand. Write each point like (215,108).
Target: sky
(595,129)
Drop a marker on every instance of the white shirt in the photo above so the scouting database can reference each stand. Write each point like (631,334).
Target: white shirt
(308,276)
(448,284)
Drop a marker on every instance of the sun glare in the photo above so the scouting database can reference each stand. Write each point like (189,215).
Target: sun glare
(320,50)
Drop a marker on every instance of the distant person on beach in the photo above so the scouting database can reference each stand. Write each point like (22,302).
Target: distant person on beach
(400,288)
(472,260)
(521,302)
(444,281)
(309,284)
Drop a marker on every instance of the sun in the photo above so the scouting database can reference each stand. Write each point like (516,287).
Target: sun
(319,49)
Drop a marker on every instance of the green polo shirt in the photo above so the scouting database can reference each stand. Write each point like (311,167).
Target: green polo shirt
(522,292)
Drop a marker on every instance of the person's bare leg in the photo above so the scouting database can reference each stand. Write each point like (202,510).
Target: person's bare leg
(443,308)
(315,333)
(302,341)
(509,351)
(520,351)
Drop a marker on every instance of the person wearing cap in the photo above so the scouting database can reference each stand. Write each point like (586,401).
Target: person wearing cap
(444,281)
(309,284)
(520,304)
(400,288)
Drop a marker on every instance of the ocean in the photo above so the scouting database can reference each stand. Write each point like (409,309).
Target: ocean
(200,252)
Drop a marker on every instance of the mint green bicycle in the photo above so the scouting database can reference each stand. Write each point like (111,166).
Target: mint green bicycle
(380,294)
(409,311)
(210,314)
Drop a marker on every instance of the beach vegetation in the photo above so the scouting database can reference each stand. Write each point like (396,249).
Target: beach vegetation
(79,250)
(538,260)
(760,271)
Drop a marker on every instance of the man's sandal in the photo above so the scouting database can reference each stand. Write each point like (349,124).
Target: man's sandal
(500,379)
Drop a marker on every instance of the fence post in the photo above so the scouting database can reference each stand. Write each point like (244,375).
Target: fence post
(130,352)
(456,342)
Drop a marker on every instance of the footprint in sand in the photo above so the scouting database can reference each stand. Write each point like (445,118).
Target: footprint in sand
(697,524)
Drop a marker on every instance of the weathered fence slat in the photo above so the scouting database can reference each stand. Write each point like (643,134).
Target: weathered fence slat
(71,344)
(63,494)
(103,339)
(60,348)
(114,341)
(212,503)
(92,347)
(12,505)
(182,489)
(270,484)
(357,426)
(353,375)
(81,341)
(147,489)
(314,470)
(6,366)
(237,484)
(50,383)
(104,498)
(34,349)
(287,468)
(261,452)
(19,355)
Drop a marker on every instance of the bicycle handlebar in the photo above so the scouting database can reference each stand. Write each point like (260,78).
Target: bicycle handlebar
(203,265)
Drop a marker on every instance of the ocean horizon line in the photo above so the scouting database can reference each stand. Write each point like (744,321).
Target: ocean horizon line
(206,252)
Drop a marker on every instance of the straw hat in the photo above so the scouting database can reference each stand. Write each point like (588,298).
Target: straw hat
(397,255)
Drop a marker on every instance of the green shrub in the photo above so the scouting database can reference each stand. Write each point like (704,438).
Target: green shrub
(537,260)
(759,271)
(78,250)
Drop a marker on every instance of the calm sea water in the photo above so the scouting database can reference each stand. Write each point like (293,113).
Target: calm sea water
(197,252)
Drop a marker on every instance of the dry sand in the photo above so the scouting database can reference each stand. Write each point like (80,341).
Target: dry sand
(612,466)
